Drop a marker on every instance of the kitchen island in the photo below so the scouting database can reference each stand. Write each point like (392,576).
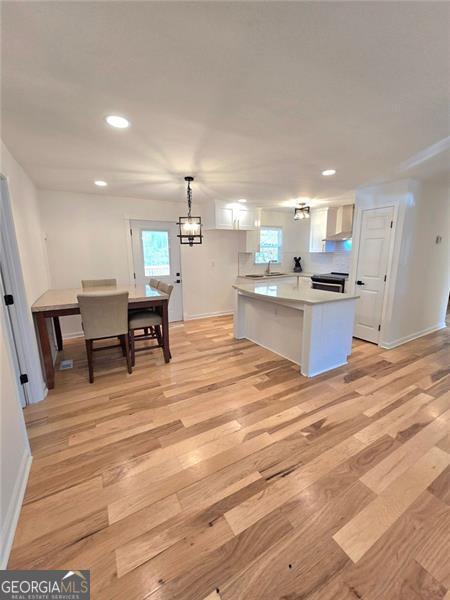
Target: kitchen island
(312,328)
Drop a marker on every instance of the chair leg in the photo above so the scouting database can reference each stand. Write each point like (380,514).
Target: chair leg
(126,341)
(145,330)
(158,334)
(122,344)
(132,348)
(90,359)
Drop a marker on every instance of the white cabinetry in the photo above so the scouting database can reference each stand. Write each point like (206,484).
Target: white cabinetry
(248,218)
(323,224)
(224,215)
(224,218)
(251,241)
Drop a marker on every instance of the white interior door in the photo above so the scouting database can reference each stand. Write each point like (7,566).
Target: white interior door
(12,333)
(156,254)
(371,270)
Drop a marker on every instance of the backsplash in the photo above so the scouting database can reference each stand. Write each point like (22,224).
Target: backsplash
(312,262)
(316,262)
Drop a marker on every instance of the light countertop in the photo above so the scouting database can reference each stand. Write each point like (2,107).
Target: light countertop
(291,292)
(264,277)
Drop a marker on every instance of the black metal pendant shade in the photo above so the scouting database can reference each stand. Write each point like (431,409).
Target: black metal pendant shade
(301,212)
(190,227)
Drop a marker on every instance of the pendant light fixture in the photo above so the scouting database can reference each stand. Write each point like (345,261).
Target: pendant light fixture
(301,212)
(190,227)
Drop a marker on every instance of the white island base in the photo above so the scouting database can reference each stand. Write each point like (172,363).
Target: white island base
(312,328)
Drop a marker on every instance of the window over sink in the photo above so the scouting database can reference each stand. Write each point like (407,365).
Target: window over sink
(271,245)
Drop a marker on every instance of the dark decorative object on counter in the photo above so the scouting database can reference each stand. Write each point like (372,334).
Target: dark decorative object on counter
(298,266)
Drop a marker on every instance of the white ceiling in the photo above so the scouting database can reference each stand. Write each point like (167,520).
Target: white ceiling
(252,98)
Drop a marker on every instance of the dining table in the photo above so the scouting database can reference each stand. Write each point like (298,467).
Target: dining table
(56,303)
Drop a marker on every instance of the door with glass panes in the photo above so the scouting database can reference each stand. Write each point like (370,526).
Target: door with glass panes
(156,254)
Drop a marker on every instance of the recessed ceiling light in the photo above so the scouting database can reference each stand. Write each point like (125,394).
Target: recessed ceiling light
(118,122)
(242,200)
(329,172)
(100,183)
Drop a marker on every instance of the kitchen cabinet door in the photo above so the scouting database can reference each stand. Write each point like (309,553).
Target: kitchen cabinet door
(224,218)
(248,218)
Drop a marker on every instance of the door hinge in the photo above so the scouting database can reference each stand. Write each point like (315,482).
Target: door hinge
(23,378)
(134,275)
(9,299)
(131,232)
(392,224)
(379,327)
(385,277)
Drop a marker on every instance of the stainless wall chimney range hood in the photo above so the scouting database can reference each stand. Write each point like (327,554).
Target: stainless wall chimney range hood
(342,224)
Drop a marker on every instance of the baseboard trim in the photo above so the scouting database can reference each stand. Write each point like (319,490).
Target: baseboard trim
(320,371)
(207,315)
(413,336)
(13,512)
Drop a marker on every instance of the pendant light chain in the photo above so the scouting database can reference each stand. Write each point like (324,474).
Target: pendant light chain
(189,198)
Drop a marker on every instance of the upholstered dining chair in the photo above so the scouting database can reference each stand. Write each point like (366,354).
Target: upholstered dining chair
(150,322)
(154,283)
(93,283)
(104,315)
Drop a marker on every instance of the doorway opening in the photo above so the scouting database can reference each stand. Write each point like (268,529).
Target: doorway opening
(156,254)
(372,265)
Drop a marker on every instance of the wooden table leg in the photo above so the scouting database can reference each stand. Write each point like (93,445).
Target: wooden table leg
(46,351)
(57,326)
(165,327)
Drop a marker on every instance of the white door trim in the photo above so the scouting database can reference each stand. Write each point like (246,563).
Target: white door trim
(24,332)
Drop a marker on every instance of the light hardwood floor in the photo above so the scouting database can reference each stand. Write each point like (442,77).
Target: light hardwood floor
(226,475)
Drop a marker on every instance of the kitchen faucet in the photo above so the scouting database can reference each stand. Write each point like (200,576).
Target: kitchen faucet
(267,271)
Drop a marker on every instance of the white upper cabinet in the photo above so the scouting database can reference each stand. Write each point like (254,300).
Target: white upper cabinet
(323,224)
(224,215)
(248,218)
(224,218)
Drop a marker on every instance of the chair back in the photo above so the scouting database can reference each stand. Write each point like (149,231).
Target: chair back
(93,283)
(104,314)
(154,283)
(165,288)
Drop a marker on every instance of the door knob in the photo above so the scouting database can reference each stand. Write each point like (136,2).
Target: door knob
(359,282)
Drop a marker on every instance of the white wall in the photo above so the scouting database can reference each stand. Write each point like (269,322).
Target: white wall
(421,288)
(209,271)
(418,281)
(15,451)
(33,260)
(87,238)
(296,243)
(27,221)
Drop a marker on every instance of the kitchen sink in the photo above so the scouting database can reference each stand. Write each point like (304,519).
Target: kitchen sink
(261,275)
